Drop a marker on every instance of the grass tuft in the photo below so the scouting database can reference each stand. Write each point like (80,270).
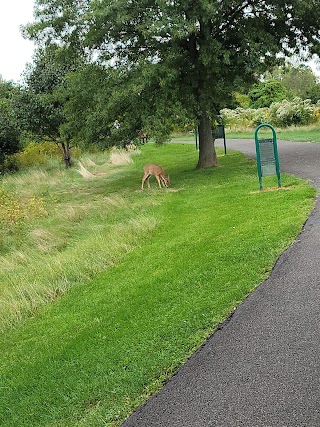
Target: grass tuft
(120,157)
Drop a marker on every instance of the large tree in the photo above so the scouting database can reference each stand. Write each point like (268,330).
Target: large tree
(198,51)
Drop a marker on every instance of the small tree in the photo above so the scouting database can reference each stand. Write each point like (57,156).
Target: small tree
(263,94)
(9,126)
(9,130)
(94,98)
(39,104)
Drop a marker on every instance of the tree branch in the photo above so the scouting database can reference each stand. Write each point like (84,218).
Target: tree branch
(228,17)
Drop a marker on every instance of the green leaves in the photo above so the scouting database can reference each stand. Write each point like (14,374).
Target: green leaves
(9,129)
(199,52)
(263,94)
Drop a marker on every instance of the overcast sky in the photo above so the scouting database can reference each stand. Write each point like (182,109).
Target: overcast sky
(15,51)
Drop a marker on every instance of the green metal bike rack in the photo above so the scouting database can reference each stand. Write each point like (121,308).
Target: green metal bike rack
(267,155)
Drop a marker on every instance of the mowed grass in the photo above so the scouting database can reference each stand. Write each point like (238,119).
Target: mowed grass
(187,256)
(309,133)
(293,133)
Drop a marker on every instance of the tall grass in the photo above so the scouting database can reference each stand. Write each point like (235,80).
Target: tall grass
(173,264)
(51,220)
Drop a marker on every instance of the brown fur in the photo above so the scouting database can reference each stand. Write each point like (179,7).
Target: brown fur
(158,172)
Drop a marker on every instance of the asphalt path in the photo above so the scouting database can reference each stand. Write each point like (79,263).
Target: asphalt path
(261,368)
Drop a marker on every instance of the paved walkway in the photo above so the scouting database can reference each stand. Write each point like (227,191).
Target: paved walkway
(262,367)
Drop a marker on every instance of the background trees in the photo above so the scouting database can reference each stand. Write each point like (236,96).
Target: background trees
(152,65)
(263,94)
(39,104)
(9,126)
(298,81)
(195,52)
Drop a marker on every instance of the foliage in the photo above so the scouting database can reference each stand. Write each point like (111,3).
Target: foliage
(263,94)
(6,89)
(244,117)
(9,126)
(242,100)
(298,80)
(39,106)
(40,114)
(195,53)
(136,303)
(37,153)
(296,112)
(284,113)
(94,99)
(9,129)
(313,93)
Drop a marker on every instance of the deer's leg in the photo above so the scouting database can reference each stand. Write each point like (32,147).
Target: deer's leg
(145,176)
(163,182)
(159,181)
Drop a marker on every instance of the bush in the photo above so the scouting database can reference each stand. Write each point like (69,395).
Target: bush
(38,153)
(284,113)
(14,212)
(263,94)
(8,164)
(295,112)
(244,117)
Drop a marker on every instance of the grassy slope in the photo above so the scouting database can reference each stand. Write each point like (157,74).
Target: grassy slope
(93,355)
(40,258)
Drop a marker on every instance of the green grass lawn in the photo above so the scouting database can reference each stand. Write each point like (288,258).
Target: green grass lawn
(301,133)
(144,277)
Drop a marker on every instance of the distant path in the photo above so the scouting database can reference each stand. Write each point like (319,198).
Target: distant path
(299,158)
(262,367)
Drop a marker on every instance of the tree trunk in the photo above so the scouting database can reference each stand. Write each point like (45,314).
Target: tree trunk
(207,152)
(66,154)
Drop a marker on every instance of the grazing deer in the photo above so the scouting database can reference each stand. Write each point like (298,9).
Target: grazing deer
(158,172)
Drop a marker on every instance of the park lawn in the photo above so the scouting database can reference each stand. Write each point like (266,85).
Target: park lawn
(299,133)
(91,356)
(294,133)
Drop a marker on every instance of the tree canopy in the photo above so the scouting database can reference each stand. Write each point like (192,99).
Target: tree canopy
(193,53)
(298,80)
(263,94)
(38,105)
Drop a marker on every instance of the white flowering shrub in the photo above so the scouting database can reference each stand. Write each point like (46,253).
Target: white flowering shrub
(282,114)
(295,112)
(244,117)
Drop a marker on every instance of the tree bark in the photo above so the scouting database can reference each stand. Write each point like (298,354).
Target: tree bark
(66,154)
(207,152)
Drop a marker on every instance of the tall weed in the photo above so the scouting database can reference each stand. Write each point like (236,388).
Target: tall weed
(58,229)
